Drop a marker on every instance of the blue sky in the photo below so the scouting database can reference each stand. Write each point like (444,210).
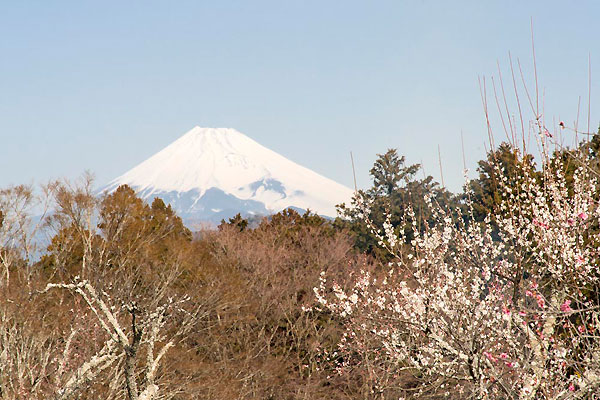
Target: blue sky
(101,86)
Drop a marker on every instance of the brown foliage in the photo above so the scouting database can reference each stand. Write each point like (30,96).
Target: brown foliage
(267,344)
(231,305)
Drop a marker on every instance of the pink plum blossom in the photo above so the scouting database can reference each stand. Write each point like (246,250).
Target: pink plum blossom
(566,306)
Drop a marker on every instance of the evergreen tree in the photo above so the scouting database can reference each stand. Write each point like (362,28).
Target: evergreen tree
(238,221)
(504,162)
(395,189)
(389,170)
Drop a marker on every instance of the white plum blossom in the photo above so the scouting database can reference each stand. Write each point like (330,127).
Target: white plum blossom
(499,309)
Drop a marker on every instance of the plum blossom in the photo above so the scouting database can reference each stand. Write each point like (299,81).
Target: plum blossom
(471,301)
(566,306)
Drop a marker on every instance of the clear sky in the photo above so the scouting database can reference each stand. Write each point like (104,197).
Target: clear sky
(102,85)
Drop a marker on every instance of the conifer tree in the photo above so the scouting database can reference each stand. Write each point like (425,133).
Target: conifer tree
(395,189)
(389,170)
(504,162)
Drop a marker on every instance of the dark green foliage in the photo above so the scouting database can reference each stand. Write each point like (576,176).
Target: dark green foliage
(395,189)
(586,155)
(288,221)
(389,170)
(593,149)
(237,221)
(506,162)
(483,190)
(252,279)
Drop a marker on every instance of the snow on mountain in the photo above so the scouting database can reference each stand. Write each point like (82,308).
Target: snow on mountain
(214,173)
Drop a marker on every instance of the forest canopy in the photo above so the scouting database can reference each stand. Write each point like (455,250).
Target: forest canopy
(412,292)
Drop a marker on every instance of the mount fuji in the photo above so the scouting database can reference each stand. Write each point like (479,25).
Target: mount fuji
(213,173)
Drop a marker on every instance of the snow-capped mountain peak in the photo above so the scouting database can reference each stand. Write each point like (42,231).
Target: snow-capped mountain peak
(212,173)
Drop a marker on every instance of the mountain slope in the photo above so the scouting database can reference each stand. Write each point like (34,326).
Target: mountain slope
(213,173)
